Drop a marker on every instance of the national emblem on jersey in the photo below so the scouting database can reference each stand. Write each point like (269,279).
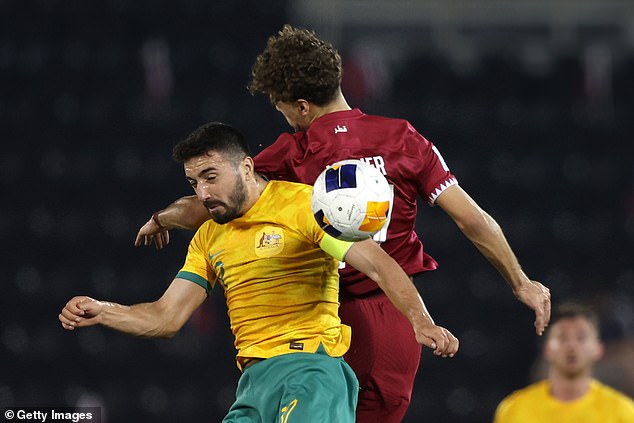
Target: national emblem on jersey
(269,241)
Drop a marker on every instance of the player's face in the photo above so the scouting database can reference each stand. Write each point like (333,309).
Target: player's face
(219,184)
(293,114)
(572,347)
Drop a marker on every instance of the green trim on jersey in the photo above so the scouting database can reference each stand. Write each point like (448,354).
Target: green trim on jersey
(192,277)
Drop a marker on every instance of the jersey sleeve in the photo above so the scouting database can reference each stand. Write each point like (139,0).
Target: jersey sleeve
(272,161)
(433,176)
(196,268)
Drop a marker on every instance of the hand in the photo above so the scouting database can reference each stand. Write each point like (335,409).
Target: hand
(537,297)
(151,231)
(80,311)
(439,339)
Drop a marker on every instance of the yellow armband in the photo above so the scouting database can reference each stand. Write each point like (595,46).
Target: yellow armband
(335,247)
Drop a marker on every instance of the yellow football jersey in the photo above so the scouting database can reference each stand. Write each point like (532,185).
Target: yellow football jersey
(281,287)
(535,404)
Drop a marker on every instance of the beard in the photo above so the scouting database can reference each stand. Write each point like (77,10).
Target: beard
(226,212)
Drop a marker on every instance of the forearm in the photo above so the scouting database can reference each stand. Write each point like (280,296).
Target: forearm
(146,320)
(391,278)
(400,289)
(489,239)
(185,213)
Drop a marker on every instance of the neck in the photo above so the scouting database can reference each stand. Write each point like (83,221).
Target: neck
(566,388)
(255,187)
(339,104)
(260,184)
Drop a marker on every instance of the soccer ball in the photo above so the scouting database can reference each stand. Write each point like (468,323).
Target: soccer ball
(351,200)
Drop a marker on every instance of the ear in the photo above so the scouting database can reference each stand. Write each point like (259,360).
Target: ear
(599,351)
(303,106)
(248,167)
(546,349)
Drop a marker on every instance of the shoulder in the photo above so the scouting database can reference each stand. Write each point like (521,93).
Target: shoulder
(289,189)
(284,141)
(520,403)
(528,393)
(206,230)
(607,392)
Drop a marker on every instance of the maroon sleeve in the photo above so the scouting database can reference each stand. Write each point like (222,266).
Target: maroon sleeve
(433,176)
(272,161)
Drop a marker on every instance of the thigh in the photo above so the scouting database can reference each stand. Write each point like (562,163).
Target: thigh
(385,356)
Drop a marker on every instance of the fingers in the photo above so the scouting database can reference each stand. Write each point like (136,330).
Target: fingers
(443,342)
(166,237)
(68,323)
(139,239)
(159,240)
(71,314)
(542,311)
(149,234)
(79,312)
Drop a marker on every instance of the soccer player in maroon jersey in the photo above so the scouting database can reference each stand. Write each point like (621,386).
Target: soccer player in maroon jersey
(301,75)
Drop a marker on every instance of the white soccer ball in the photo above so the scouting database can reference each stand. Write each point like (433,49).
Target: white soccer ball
(351,200)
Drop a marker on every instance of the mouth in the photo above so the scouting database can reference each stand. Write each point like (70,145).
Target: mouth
(211,207)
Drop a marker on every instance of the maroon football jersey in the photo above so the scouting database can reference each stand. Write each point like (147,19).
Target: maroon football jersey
(411,164)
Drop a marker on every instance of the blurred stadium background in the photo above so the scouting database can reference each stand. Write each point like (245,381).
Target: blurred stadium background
(530,102)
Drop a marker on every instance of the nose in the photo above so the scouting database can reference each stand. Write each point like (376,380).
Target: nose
(203,192)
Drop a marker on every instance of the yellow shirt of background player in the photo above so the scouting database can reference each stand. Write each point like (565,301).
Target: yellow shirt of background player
(281,287)
(535,404)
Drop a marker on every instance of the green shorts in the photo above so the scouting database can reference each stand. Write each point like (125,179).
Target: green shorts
(296,388)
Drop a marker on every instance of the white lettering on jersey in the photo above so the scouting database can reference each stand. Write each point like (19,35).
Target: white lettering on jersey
(341,128)
(377,162)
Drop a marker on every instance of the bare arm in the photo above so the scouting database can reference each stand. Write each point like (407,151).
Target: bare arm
(185,213)
(367,257)
(158,319)
(485,233)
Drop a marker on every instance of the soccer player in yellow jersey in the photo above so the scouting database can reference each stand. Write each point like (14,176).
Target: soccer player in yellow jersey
(570,394)
(278,270)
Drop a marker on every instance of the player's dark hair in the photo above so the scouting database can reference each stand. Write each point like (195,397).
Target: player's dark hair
(569,310)
(297,65)
(212,136)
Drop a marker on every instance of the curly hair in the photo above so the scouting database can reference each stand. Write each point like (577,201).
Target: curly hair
(296,64)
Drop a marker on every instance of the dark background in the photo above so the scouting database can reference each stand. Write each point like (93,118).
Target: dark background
(532,110)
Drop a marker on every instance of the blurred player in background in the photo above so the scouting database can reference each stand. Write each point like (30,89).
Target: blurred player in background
(282,298)
(570,393)
(301,75)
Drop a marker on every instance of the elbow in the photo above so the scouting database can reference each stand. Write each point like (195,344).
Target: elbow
(477,224)
(162,331)
(168,324)
(168,333)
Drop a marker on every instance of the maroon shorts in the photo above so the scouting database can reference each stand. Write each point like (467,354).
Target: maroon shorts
(384,355)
